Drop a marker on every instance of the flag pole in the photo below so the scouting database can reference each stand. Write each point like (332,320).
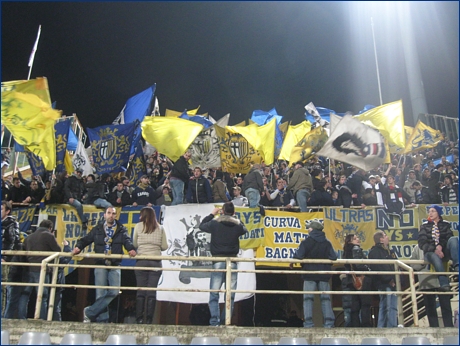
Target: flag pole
(376,62)
(34,49)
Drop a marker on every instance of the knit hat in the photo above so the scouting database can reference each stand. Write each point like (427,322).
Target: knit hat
(316,225)
(437,207)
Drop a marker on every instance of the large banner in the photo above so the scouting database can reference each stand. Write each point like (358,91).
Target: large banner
(24,216)
(181,224)
(284,231)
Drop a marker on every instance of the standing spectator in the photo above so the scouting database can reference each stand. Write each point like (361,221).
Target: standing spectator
(355,183)
(239,182)
(11,241)
(345,193)
(449,192)
(57,194)
(265,199)
(150,239)
(74,189)
(436,240)
(320,196)
(388,306)
(127,185)
(199,190)
(219,189)
(430,283)
(316,246)
(41,240)
(144,194)
(423,194)
(18,191)
(225,233)
(301,184)
(281,197)
(360,304)
(60,280)
(178,177)
(120,197)
(239,200)
(253,186)
(408,184)
(109,237)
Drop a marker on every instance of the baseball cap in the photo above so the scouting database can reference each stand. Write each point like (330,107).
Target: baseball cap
(315,225)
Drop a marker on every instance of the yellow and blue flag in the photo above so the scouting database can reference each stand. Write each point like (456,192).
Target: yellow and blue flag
(423,137)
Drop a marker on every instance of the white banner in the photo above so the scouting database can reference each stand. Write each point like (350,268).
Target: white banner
(180,221)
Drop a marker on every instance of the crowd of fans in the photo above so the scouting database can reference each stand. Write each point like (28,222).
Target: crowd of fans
(408,180)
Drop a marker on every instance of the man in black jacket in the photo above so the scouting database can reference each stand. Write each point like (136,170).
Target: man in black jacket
(316,246)
(41,240)
(109,237)
(178,177)
(74,189)
(388,306)
(120,196)
(225,233)
(199,189)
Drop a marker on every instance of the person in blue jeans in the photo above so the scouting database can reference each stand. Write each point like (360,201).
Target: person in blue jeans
(316,246)
(109,237)
(388,306)
(225,232)
(437,242)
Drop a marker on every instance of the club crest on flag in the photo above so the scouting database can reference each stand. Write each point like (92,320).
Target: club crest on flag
(239,148)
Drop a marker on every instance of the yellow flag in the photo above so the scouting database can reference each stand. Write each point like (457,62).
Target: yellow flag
(38,86)
(397,150)
(311,143)
(261,138)
(283,128)
(31,122)
(236,154)
(68,162)
(170,136)
(389,120)
(176,114)
(294,135)
(243,123)
(423,137)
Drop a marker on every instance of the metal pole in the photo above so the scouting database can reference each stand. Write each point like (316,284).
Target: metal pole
(228,286)
(376,62)
(52,294)
(34,49)
(40,284)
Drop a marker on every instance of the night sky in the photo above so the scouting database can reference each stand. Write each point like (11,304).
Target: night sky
(230,57)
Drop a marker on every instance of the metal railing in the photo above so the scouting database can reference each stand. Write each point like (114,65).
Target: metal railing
(52,261)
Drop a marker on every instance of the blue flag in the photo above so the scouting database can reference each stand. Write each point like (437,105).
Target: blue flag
(110,145)
(36,164)
(197,119)
(137,166)
(139,105)
(262,117)
(62,136)
(73,141)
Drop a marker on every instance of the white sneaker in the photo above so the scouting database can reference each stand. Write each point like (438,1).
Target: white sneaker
(86,319)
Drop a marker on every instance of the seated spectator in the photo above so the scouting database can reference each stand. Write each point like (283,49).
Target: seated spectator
(95,193)
(335,197)
(319,196)
(144,194)
(120,197)
(449,192)
(280,197)
(74,189)
(239,200)
(199,190)
(165,198)
(219,189)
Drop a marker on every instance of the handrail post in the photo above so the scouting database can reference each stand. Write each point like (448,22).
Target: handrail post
(399,297)
(228,291)
(52,294)
(41,281)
